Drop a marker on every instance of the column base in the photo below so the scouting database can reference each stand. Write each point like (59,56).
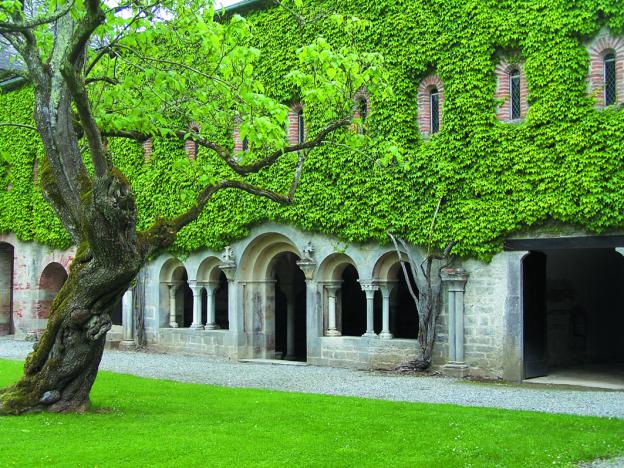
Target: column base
(127,345)
(211,326)
(197,326)
(386,336)
(30,336)
(333,333)
(456,369)
(173,325)
(370,335)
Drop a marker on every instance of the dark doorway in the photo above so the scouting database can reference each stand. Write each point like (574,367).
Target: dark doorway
(221,303)
(403,311)
(117,313)
(353,304)
(290,309)
(6,289)
(573,311)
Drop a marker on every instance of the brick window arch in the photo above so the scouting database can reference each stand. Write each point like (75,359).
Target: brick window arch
(511,91)
(606,70)
(430,104)
(296,124)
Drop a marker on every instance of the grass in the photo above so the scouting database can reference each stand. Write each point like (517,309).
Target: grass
(156,422)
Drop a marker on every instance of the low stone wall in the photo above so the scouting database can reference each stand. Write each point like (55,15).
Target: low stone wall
(363,352)
(185,340)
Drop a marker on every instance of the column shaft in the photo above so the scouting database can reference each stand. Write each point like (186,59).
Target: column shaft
(211,322)
(173,323)
(127,318)
(197,306)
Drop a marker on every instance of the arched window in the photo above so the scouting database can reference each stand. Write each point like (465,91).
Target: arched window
(434,105)
(301,127)
(514,89)
(245,144)
(430,105)
(610,93)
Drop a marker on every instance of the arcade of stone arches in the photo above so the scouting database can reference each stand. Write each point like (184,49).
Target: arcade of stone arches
(271,292)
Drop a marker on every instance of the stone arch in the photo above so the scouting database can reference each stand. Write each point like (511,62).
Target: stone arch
(274,297)
(51,281)
(211,289)
(173,293)
(396,314)
(7,255)
(256,260)
(344,303)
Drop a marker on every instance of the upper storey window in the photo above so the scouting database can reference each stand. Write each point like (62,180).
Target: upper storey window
(434,105)
(511,92)
(430,105)
(610,89)
(606,70)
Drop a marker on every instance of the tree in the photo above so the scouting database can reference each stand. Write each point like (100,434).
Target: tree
(145,70)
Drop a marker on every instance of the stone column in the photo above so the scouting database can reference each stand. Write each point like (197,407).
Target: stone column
(455,280)
(211,323)
(386,290)
(332,288)
(369,289)
(197,305)
(173,287)
(228,267)
(127,319)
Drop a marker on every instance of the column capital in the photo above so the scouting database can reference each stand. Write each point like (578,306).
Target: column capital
(369,287)
(332,287)
(455,277)
(229,269)
(386,287)
(308,266)
(210,286)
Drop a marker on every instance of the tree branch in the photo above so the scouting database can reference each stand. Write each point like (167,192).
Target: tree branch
(227,156)
(89,126)
(18,125)
(162,234)
(33,23)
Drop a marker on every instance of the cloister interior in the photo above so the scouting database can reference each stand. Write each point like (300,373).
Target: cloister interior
(573,316)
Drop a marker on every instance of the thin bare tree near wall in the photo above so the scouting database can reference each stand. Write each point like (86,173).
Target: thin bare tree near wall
(143,70)
(425,277)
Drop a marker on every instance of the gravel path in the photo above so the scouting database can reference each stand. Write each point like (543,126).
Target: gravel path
(333,381)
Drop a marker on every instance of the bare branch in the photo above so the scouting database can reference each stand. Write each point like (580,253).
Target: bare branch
(162,234)
(35,22)
(227,156)
(18,125)
(83,106)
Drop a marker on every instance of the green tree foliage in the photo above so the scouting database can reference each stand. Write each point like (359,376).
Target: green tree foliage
(562,165)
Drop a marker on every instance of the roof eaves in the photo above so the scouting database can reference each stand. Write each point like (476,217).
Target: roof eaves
(246,5)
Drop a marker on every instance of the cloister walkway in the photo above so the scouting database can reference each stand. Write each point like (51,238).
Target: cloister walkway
(347,382)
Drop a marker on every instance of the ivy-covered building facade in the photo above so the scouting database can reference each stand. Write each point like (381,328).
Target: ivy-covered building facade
(507,118)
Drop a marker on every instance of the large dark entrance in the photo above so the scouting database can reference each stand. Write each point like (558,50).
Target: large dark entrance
(573,303)
(290,308)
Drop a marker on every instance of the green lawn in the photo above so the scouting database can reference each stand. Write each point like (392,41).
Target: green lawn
(155,422)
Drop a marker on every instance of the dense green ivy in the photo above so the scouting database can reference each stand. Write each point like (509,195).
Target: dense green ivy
(564,165)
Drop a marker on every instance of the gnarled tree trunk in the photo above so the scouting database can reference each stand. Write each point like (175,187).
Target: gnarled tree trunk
(61,370)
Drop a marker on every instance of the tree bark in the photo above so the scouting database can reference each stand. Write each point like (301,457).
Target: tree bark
(59,373)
